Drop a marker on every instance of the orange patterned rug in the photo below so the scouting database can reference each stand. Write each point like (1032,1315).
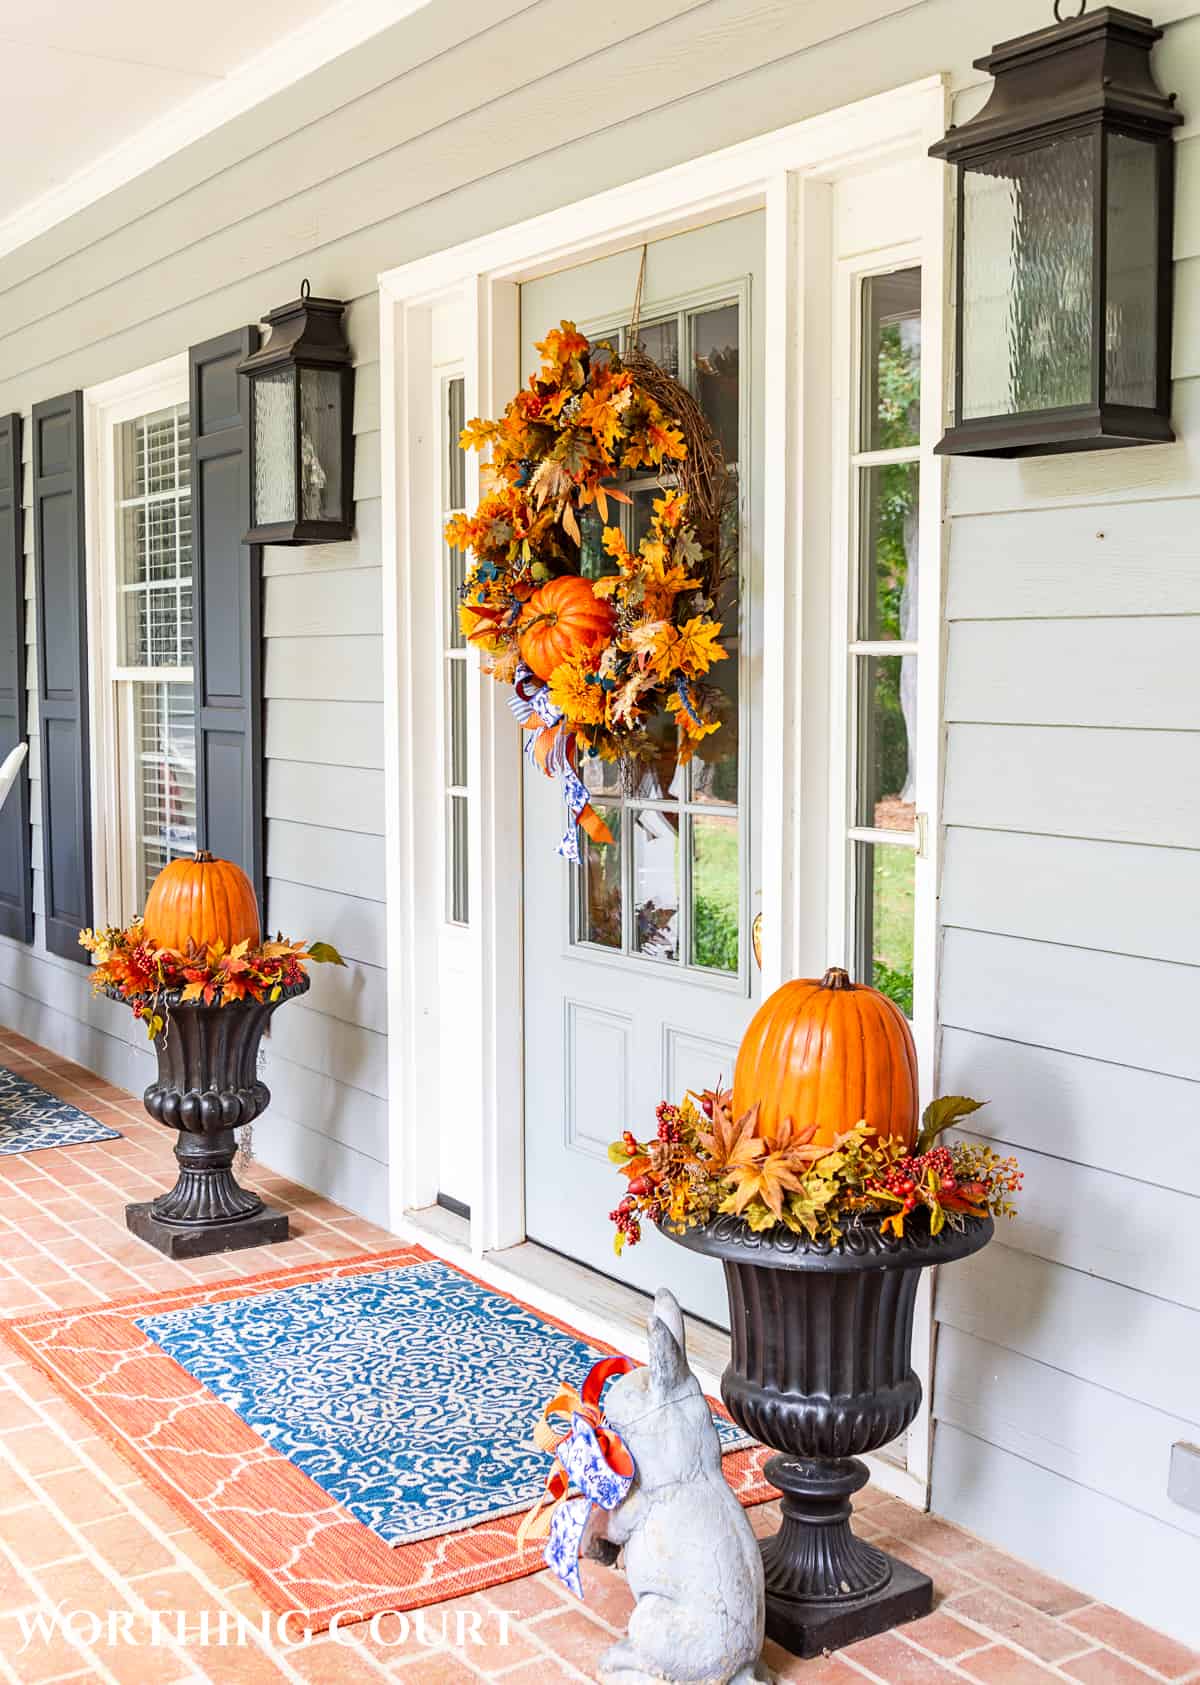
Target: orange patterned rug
(299,1547)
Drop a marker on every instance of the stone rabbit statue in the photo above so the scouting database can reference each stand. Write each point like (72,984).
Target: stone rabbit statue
(690,1555)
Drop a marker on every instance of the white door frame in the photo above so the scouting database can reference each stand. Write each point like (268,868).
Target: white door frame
(470,294)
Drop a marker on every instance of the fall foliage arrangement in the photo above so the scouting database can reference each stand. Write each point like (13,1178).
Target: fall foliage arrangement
(819,1131)
(704,1162)
(594,661)
(198,940)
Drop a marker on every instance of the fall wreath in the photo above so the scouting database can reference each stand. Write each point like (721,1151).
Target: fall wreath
(595,662)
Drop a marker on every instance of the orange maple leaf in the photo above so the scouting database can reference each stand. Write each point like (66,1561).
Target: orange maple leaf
(732,1143)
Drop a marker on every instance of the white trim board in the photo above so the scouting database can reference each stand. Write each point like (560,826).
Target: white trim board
(463,303)
(285,61)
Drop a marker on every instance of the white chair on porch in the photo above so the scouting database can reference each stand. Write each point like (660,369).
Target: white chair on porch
(13,762)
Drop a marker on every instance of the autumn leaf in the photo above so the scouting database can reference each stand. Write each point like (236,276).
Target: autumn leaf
(193,991)
(730,1143)
(767,1179)
(477,434)
(940,1114)
(550,484)
(795,1143)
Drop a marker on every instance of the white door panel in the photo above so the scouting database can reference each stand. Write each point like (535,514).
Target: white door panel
(639,975)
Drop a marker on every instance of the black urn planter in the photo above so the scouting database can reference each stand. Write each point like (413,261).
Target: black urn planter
(208,1086)
(820,1371)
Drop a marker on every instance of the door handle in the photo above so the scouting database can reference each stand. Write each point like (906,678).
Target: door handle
(756,939)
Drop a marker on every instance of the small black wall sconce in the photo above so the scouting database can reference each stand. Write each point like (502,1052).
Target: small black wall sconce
(1064,229)
(302,426)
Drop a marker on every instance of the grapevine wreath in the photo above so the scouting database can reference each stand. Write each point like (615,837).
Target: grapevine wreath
(594,663)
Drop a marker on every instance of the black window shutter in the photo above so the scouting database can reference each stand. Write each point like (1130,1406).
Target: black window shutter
(61,584)
(227,599)
(16,870)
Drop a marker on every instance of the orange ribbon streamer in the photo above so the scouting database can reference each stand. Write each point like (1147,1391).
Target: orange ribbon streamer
(543,746)
(567,1403)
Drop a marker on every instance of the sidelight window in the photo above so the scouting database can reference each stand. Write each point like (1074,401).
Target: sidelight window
(884,830)
(454,658)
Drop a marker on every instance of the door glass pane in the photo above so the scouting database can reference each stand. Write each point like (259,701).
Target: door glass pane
(599,879)
(716,366)
(603,778)
(889,547)
(884,898)
(594,560)
(656,883)
(456,457)
(716,883)
(660,342)
(456,722)
(887,719)
(891,406)
(715,762)
(642,510)
(456,573)
(700,347)
(457,903)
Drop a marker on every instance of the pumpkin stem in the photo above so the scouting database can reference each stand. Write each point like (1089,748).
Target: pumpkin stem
(202,857)
(836,978)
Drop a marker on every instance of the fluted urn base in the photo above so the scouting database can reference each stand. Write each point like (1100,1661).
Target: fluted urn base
(207,1087)
(820,1371)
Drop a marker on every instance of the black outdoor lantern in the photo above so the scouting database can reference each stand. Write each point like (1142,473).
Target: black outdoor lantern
(301,426)
(1065,213)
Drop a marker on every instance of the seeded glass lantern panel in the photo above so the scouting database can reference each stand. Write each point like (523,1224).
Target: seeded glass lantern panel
(1065,190)
(301,437)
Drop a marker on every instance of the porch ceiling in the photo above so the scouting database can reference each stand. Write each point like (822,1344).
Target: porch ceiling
(94,94)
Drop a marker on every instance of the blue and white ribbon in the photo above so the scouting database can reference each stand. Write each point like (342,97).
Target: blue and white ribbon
(525,704)
(599,1485)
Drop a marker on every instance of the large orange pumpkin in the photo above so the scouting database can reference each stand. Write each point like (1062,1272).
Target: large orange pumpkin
(559,618)
(201,900)
(829,1052)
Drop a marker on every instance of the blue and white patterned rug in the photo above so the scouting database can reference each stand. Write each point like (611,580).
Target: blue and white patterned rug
(31,1119)
(409,1394)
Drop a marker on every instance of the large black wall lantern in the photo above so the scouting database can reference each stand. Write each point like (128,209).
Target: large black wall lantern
(1065,214)
(302,426)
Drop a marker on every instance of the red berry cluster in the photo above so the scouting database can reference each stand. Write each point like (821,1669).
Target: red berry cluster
(670,1123)
(909,1177)
(625,1217)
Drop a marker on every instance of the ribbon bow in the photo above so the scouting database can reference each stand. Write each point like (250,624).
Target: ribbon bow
(590,1458)
(550,747)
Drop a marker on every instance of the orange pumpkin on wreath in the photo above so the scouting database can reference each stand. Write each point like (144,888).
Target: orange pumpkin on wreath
(564,616)
(202,900)
(829,1053)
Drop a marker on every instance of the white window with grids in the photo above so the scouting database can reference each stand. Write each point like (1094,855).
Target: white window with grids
(142,666)
(882,832)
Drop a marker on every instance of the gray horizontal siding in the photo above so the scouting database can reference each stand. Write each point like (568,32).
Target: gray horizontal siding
(1119,1553)
(1068,1358)
(1040,1413)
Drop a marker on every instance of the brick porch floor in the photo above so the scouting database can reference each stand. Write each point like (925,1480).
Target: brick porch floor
(79,1530)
